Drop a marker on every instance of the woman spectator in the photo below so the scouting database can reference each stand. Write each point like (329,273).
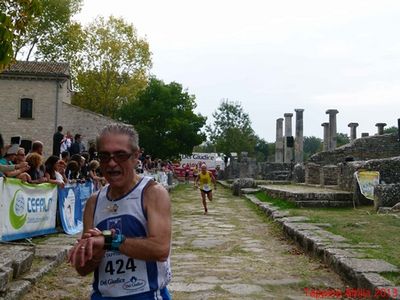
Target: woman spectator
(5,167)
(52,174)
(72,171)
(95,175)
(35,162)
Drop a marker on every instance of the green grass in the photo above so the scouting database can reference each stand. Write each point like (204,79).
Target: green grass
(361,225)
(284,204)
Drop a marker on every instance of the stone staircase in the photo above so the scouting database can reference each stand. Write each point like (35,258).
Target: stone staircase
(23,264)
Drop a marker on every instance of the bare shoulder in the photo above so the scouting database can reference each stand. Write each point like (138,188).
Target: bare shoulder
(156,193)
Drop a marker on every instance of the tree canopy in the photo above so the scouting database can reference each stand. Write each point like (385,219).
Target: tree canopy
(112,67)
(15,17)
(164,118)
(231,130)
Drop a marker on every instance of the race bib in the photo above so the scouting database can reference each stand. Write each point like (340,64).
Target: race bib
(120,275)
(206,188)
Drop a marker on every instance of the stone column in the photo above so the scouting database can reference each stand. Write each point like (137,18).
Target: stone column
(288,136)
(299,141)
(380,127)
(279,141)
(353,130)
(332,128)
(326,136)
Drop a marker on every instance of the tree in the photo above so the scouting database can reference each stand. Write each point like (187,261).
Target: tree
(311,146)
(261,150)
(231,131)
(342,139)
(392,129)
(164,118)
(112,68)
(15,16)
(48,29)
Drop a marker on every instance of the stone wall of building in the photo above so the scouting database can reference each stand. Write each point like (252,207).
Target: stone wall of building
(83,121)
(312,173)
(366,148)
(43,123)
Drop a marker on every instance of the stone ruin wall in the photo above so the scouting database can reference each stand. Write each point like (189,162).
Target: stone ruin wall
(264,170)
(365,148)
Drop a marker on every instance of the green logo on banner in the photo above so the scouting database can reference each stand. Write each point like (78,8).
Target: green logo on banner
(17,209)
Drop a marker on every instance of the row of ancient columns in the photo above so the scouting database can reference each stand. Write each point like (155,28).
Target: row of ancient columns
(284,144)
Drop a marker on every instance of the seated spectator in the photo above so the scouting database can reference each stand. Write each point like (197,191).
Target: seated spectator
(85,165)
(3,166)
(52,174)
(95,175)
(36,170)
(19,173)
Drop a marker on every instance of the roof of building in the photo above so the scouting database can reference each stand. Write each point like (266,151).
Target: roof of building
(37,68)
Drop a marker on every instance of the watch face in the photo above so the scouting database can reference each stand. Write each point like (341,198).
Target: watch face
(106,232)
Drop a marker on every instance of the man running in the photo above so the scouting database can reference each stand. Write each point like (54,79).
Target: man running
(205,178)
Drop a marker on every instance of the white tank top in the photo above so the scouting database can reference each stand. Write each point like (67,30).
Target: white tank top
(119,275)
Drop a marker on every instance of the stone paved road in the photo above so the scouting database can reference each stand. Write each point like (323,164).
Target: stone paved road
(236,253)
(232,253)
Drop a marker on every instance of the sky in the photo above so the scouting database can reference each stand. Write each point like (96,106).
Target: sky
(275,56)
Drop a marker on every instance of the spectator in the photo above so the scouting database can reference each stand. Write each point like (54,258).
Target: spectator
(37,147)
(3,166)
(95,175)
(72,171)
(17,173)
(65,157)
(52,174)
(36,171)
(77,146)
(20,157)
(57,139)
(66,142)
(92,152)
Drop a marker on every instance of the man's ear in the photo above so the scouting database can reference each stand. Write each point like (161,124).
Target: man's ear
(136,154)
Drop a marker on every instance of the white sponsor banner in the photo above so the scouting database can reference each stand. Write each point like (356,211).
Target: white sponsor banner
(210,159)
(26,210)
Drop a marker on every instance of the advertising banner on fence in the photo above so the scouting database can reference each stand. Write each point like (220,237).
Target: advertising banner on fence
(26,210)
(367,180)
(70,209)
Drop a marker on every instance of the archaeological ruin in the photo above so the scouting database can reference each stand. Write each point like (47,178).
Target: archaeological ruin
(327,178)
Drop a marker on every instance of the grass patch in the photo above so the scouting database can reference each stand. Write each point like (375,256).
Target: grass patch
(284,204)
(393,277)
(361,225)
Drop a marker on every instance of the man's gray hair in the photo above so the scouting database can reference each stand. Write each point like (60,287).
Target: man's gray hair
(116,128)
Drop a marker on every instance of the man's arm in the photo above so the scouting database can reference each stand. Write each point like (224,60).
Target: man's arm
(85,260)
(156,246)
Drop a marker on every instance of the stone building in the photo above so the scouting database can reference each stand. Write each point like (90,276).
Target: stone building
(35,98)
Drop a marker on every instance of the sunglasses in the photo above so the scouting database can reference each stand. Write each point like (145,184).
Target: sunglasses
(105,157)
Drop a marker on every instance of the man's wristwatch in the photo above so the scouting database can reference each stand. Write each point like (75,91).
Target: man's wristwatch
(112,242)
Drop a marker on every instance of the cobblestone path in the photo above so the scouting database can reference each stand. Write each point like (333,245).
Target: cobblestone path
(234,252)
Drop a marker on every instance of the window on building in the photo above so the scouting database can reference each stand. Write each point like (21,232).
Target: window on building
(26,108)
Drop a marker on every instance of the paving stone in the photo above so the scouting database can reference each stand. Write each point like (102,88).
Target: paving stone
(367,265)
(242,289)
(190,287)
